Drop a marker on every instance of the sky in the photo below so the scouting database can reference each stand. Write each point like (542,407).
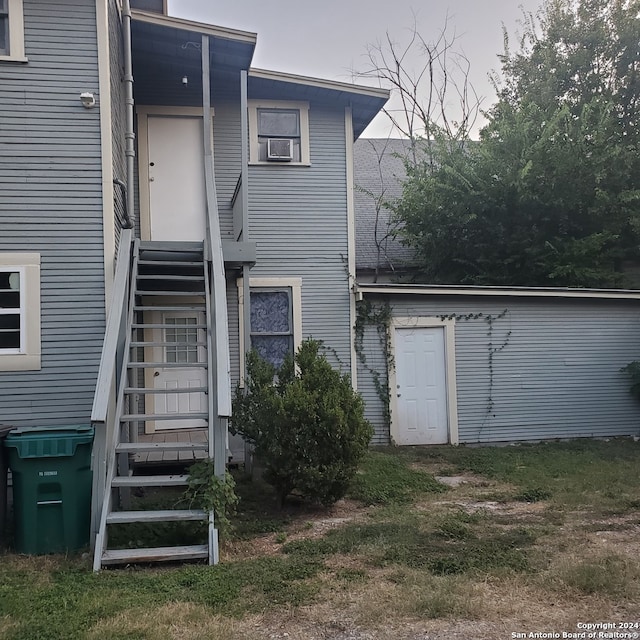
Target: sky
(329,38)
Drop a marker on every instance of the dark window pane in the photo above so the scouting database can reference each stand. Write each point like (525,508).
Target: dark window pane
(10,321)
(273,349)
(9,299)
(4,35)
(279,123)
(270,312)
(9,339)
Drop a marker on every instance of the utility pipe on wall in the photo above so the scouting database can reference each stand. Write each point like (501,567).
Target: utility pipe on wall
(129,133)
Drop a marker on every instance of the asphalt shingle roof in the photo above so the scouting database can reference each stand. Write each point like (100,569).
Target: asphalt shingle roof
(378,174)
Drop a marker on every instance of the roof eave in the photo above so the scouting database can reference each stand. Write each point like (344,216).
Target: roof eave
(363,289)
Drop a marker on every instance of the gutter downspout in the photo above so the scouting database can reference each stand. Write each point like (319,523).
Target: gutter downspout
(129,134)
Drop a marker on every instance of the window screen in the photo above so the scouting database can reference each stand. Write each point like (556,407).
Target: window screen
(278,124)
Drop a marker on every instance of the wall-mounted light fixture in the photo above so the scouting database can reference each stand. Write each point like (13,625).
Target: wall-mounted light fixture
(185,81)
(88,100)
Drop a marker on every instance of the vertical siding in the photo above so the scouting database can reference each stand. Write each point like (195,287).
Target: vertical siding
(51,203)
(556,366)
(298,217)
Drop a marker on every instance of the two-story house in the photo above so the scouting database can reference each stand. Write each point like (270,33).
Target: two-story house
(164,206)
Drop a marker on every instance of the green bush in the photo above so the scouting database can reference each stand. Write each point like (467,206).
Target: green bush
(306,424)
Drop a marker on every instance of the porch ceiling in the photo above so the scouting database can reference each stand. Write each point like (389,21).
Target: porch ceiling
(165,50)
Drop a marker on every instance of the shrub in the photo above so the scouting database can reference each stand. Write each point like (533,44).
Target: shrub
(307,424)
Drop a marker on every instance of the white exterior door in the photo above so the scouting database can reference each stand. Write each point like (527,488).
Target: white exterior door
(183,345)
(177,194)
(421,393)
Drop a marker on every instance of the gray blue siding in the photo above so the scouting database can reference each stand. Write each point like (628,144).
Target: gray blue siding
(556,368)
(298,217)
(51,203)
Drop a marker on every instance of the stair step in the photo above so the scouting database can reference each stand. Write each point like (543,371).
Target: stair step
(166,326)
(151,481)
(157,554)
(146,417)
(147,447)
(141,292)
(167,344)
(142,390)
(171,277)
(171,263)
(166,515)
(167,245)
(193,307)
(167,365)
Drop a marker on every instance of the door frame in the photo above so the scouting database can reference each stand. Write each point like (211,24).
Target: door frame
(143,113)
(420,322)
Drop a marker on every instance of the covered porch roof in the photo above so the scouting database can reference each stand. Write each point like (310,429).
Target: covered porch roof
(166,49)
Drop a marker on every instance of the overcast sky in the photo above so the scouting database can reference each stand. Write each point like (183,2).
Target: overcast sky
(329,38)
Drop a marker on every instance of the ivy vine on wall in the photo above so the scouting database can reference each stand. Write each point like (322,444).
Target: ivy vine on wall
(380,317)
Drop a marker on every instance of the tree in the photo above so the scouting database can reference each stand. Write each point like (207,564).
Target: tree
(550,194)
(307,425)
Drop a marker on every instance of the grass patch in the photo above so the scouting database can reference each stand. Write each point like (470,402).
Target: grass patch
(575,473)
(610,575)
(74,599)
(453,546)
(385,479)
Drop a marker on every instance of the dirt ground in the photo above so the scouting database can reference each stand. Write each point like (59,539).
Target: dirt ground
(495,607)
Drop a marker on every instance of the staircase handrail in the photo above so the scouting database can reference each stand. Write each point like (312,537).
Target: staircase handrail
(108,373)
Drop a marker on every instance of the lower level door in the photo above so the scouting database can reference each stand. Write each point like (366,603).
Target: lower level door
(421,386)
(182,343)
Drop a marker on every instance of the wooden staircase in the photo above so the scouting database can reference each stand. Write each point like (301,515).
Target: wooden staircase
(166,278)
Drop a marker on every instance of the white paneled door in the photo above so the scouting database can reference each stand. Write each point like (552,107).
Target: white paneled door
(183,340)
(421,393)
(177,194)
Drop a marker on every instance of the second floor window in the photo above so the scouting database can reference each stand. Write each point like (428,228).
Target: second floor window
(279,135)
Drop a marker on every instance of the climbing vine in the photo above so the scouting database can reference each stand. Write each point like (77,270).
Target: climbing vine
(380,316)
(493,348)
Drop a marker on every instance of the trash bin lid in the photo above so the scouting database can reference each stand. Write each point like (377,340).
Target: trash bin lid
(52,441)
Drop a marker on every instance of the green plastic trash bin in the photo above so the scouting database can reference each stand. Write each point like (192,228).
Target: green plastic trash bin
(51,470)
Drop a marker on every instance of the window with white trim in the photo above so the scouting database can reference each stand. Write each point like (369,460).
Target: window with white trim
(279,132)
(275,319)
(12,31)
(272,324)
(19,312)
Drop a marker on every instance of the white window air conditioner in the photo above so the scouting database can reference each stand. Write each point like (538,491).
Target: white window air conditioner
(279,150)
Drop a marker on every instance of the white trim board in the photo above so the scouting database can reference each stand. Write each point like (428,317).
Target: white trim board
(450,370)
(523,292)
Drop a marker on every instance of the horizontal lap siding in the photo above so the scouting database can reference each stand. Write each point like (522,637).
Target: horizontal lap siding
(556,368)
(51,203)
(371,362)
(298,217)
